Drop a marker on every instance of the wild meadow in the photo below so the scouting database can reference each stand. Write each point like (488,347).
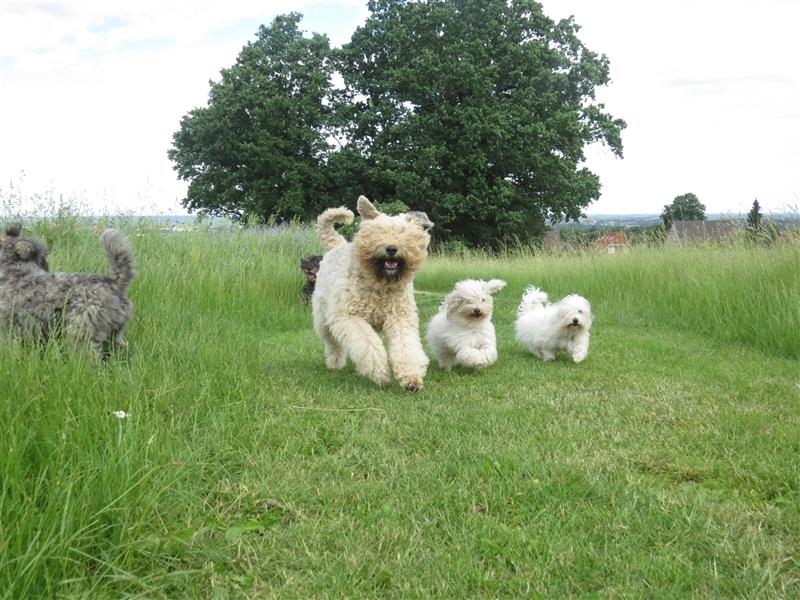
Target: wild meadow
(664,466)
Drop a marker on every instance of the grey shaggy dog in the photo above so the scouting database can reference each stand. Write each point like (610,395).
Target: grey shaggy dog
(84,308)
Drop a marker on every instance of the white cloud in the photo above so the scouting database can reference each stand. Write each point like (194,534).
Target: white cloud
(91,92)
(711,95)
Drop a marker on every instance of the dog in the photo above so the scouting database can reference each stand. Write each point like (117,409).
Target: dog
(309,265)
(366,286)
(86,309)
(545,328)
(462,333)
(34,251)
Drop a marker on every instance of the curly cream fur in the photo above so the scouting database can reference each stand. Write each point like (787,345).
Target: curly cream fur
(326,223)
(352,301)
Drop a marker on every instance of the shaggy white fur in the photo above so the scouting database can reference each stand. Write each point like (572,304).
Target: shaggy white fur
(366,286)
(462,333)
(546,329)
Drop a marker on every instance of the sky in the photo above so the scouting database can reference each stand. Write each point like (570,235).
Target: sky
(91,93)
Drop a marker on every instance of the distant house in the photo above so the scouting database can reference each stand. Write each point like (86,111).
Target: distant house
(611,243)
(693,232)
(552,239)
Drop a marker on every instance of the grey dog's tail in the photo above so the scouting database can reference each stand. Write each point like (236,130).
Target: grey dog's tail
(326,223)
(532,298)
(120,258)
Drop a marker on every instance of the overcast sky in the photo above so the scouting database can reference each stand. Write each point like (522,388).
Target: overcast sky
(90,94)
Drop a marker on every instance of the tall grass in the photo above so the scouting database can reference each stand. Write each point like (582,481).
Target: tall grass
(740,292)
(245,469)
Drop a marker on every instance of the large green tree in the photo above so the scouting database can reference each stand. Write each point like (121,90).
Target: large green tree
(476,111)
(258,148)
(686,207)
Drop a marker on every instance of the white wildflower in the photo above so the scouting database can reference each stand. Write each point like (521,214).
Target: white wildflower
(121,414)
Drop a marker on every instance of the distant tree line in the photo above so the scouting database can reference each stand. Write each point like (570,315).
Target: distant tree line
(474,111)
(686,207)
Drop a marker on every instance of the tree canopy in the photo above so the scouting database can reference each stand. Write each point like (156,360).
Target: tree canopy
(259,147)
(475,111)
(686,207)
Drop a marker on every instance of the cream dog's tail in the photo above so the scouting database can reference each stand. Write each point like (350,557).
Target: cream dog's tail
(120,258)
(326,223)
(532,298)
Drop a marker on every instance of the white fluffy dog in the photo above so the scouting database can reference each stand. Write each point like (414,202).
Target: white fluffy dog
(545,328)
(462,333)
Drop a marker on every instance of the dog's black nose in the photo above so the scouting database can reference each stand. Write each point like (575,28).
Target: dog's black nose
(391,250)
(575,321)
(476,312)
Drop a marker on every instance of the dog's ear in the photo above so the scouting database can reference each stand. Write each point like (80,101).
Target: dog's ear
(25,250)
(589,310)
(452,301)
(13,230)
(494,285)
(421,218)
(366,209)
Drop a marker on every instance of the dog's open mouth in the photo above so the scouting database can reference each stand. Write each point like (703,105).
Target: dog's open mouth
(389,269)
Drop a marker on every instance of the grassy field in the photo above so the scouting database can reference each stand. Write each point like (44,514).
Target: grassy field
(664,466)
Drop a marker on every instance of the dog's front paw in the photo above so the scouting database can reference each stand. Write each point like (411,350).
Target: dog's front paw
(412,383)
(579,356)
(335,361)
(380,376)
(381,380)
(487,359)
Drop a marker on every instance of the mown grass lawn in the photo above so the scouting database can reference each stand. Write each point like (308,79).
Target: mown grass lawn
(666,465)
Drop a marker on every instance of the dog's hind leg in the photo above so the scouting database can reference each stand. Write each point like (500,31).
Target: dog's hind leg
(445,358)
(335,356)
(78,340)
(364,346)
(409,360)
(119,340)
(547,355)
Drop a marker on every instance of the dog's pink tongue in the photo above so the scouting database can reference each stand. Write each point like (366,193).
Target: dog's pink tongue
(391,264)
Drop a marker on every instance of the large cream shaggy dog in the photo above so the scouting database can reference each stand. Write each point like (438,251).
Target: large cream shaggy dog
(366,286)
(462,333)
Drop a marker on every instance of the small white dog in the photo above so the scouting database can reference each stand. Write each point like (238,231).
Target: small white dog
(462,333)
(545,328)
